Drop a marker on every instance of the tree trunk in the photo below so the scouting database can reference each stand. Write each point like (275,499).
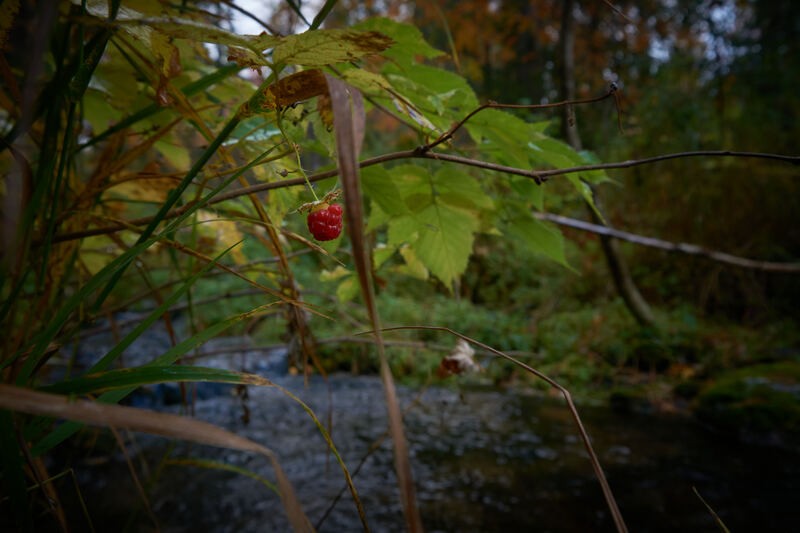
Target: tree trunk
(569,127)
(623,281)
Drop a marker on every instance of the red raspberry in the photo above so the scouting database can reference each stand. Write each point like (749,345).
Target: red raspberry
(325,222)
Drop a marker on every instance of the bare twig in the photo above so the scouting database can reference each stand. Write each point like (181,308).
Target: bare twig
(598,470)
(714,514)
(494,105)
(250,15)
(537,175)
(682,247)
(619,12)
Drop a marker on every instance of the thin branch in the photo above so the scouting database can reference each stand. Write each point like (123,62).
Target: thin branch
(543,174)
(619,12)
(539,176)
(494,105)
(250,15)
(681,247)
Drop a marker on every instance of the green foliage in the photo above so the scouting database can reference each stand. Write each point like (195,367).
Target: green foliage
(143,129)
(119,190)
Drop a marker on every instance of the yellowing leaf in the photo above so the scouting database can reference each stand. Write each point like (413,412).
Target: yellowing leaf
(409,39)
(327,47)
(97,252)
(189,29)
(413,266)
(366,81)
(220,235)
(168,63)
(348,289)
(244,57)
(337,273)
(295,88)
(177,155)
(145,187)
(166,53)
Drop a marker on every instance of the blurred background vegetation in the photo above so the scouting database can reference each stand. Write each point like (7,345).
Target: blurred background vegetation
(720,341)
(692,75)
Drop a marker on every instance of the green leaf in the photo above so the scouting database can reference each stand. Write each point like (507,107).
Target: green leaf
(176,154)
(127,378)
(434,91)
(458,188)
(529,191)
(380,254)
(413,266)
(347,289)
(545,150)
(327,47)
(410,42)
(98,112)
(381,186)
(561,155)
(503,137)
(538,236)
(366,81)
(445,240)
(118,83)
(410,182)
(67,429)
(436,214)
(440,235)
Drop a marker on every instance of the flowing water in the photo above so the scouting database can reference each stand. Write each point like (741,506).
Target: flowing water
(484,459)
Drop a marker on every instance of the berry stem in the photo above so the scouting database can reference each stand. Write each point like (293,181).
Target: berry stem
(294,146)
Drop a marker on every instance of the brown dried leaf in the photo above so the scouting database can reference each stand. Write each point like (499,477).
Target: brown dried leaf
(244,57)
(461,360)
(348,118)
(294,88)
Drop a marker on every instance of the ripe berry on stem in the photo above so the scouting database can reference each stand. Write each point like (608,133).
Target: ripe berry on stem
(325,221)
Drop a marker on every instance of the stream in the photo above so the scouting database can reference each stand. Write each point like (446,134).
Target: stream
(484,459)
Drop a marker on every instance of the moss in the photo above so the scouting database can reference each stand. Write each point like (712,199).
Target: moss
(759,402)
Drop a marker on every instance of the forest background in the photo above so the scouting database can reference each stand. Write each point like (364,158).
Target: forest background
(95,171)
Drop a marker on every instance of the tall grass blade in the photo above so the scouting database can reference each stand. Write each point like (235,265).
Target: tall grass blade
(43,339)
(717,519)
(126,378)
(216,465)
(68,429)
(171,200)
(56,324)
(347,102)
(167,425)
(322,14)
(120,347)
